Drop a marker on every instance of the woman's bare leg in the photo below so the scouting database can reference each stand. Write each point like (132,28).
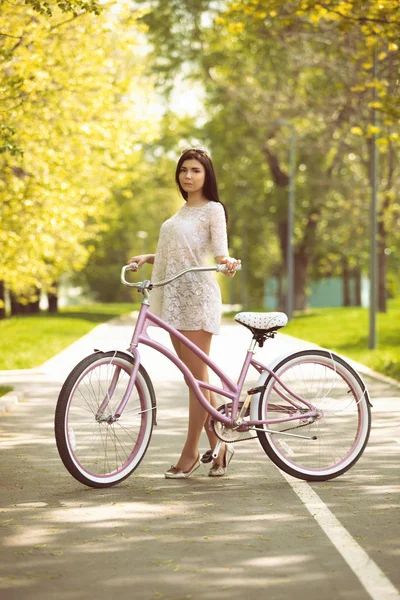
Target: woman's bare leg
(198,416)
(211,395)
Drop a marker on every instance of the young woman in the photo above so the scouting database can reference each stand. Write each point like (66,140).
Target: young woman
(192,304)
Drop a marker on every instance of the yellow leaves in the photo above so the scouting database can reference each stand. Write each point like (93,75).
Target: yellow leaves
(382,142)
(76,116)
(235,28)
(318,14)
(370,40)
(378,85)
(358,88)
(373,130)
(377,105)
(393,47)
(220,21)
(345,8)
(357,131)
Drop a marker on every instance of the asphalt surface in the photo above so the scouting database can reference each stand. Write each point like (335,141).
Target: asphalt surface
(254,533)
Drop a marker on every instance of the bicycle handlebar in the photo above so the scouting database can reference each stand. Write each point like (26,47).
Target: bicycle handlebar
(150,284)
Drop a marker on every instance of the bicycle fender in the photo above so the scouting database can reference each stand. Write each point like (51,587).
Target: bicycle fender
(104,350)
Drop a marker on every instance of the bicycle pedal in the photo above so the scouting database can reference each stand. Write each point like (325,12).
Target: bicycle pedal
(207,457)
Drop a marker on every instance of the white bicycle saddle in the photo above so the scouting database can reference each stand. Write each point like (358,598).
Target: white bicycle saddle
(268,321)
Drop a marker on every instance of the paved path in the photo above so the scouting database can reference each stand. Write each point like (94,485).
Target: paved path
(255,532)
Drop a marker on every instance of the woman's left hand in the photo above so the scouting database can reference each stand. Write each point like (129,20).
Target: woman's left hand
(231,264)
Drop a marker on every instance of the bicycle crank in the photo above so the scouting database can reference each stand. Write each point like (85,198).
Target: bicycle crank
(229,435)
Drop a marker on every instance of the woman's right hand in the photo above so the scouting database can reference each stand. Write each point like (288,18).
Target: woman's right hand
(140,260)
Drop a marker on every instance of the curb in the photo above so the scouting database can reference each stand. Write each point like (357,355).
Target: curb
(367,371)
(8,401)
(362,369)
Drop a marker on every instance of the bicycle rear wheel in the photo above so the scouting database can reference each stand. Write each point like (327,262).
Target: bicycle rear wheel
(341,428)
(98,449)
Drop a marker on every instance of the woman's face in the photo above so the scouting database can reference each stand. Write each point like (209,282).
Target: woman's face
(192,175)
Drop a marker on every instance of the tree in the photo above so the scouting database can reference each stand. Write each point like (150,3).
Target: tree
(309,63)
(79,114)
(138,209)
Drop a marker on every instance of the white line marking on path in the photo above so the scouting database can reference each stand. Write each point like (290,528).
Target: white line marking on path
(370,575)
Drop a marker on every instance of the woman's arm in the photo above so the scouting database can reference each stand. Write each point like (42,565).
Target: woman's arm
(141,259)
(219,240)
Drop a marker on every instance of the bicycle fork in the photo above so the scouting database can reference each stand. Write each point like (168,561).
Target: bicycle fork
(111,389)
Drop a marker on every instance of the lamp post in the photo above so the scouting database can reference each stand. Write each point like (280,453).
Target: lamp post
(290,224)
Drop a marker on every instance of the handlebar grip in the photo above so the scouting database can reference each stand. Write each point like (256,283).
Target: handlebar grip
(222,268)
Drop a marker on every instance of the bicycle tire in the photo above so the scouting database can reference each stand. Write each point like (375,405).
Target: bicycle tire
(102,453)
(342,430)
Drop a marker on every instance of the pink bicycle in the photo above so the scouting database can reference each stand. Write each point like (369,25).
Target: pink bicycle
(310,410)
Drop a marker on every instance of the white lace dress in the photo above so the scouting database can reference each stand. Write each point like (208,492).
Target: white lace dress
(192,302)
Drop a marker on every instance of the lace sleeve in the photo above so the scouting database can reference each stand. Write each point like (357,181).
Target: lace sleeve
(219,239)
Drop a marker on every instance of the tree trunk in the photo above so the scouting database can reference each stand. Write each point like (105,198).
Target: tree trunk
(382,268)
(346,283)
(17,308)
(280,292)
(52,298)
(2,301)
(357,287)
(301,262)
(304,252)
(389,160)
(33,307)
(300,278)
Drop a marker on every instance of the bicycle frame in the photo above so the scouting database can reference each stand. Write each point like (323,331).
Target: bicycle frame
(229,389)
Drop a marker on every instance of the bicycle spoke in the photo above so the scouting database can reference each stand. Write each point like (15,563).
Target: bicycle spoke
(341,427)
(101,450)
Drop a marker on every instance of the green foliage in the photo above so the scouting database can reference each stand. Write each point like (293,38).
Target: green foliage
(76,105)
(96,168)
(345,330)
(38,338)
(6,141)
(4,389)
(309,65)
(67,6)
(135,215)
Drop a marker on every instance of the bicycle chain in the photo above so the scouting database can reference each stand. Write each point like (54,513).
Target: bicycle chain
(229,441)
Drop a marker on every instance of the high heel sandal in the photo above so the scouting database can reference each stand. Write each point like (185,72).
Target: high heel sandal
(175,473)
(220,470)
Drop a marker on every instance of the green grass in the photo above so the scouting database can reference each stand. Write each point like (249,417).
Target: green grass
(345,330)
(27,342)
(4,389)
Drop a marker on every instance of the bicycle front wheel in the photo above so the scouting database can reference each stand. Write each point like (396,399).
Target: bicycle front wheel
(97,448)
(327,445)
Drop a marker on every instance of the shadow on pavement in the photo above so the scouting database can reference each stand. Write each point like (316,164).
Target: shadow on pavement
(201,538)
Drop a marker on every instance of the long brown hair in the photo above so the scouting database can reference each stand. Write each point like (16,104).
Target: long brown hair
(210,188)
